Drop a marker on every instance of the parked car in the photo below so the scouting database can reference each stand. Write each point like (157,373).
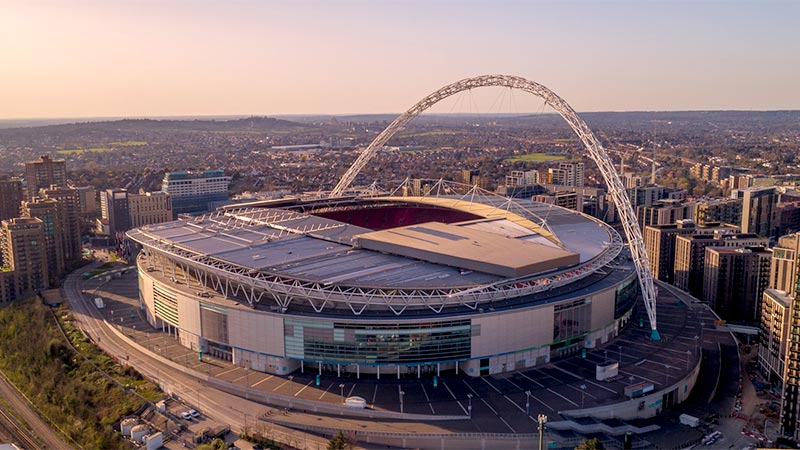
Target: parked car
(194,413)
(186,415)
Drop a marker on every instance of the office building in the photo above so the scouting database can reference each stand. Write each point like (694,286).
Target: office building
(723,210)
(11,197)
(148,208)
(690,253)
(734,280)
(759,210)
(191,192)
(24,268)
(44,173)
(114,213)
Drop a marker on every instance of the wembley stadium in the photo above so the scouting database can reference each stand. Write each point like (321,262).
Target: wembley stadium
(387,285)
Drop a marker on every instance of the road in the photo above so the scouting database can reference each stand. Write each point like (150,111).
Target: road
(216,405)
(47,438)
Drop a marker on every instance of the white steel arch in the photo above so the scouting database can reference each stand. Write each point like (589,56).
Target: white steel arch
(593,146)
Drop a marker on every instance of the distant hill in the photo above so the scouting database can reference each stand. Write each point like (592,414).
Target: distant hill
(242,124)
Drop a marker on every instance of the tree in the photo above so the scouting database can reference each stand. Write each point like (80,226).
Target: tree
(590,444)
(339,442)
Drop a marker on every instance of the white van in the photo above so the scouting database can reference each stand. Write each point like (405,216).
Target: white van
(355,402)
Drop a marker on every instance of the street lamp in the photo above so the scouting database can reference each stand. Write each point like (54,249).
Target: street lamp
(542,419)
(527,403)
(401,401)
(469,407)
(583,392)
(341,389)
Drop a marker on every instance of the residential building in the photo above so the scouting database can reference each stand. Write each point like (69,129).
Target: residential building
(88,201)
(192,192)
(659,243)
(566,199)
(24,266)
(567,174)
(11,196)
(774,334)
(69,210)
(665,212)
(44,173)
(690,253)
(734,280)
(724,210)
(48,211)
(759,212)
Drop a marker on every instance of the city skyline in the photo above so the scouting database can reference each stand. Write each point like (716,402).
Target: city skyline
(201,58)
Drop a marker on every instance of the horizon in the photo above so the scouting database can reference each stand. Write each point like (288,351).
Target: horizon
(175,58)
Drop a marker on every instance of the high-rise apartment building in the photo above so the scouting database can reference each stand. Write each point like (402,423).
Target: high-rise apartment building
(659,243)
(192,192)
(24,267)
(69,204)
(734,280)
(148,208)
(88,201)
(567,174)
(774,334)
(724,210)
(759,210)
(665,212)
(48,211)
(44,173)
(11,197)
(690,253)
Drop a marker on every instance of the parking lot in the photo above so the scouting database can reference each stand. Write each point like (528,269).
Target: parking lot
(498,404)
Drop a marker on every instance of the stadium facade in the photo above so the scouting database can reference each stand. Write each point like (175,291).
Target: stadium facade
(387,285)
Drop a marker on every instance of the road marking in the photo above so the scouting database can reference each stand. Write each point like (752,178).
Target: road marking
(582,390)
(565,398)
(350,394)
(490,407)
(490,384)
(515,384)
(304,388)
(451,393)
(637,376)
(265,379)
(326,391)
(280,385)
(227,371)
(427,398)
(515,404)
(466,413)
(539,384)
(374,394)
(509,426)
(470,388)
(555,366)
(600,386)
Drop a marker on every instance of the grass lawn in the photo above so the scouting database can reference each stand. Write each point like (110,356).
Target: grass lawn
(128,144)
(78,151)
(537,157)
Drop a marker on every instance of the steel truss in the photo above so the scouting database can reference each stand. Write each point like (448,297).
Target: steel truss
(593,146)
(236,280)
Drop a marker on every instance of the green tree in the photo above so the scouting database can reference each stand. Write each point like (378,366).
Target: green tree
(339,442)
(590,444)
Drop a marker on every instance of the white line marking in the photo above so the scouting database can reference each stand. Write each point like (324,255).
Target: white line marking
(279,386)
(565,398)
(265,379)
(539,384)
(451,393)
(509,426)
(326,391)
(514,403)
(304,388)
(493,386)
(350,394)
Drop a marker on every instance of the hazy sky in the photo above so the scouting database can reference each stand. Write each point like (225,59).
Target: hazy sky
(154,58)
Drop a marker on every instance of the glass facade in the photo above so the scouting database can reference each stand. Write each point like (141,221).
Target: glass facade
(626,295)
(377,343)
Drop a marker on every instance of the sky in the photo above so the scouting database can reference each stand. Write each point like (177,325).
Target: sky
(160,58)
